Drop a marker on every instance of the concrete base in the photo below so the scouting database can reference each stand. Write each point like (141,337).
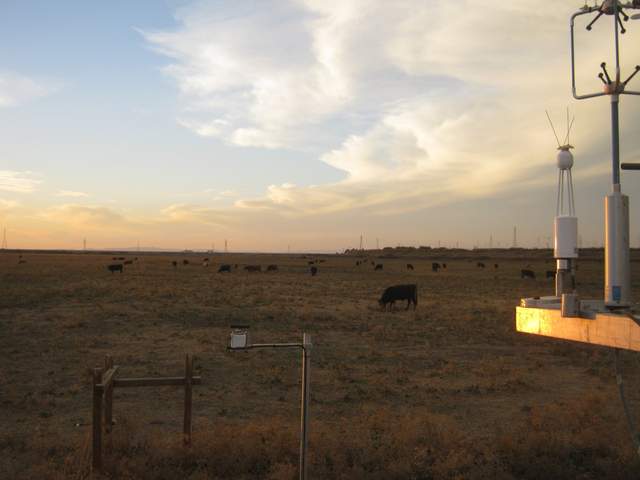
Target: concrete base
(598,328)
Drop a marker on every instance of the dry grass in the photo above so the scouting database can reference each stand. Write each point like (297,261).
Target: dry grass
(446,392)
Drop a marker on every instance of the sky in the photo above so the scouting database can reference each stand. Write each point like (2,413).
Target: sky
(301,124)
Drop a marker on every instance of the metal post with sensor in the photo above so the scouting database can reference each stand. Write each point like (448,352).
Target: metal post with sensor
(610,321)
(240,340)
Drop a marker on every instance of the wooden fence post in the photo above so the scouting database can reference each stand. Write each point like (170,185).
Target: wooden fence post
(97,420)
(188,374)
(108,397)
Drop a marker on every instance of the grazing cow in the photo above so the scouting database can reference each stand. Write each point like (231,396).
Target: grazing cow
(357,263)
(224,268)
(399,292)
(21,261)
(311,262)
(205,263)
(128,262)
(114,258)
(551,274)
(314,271)
(435,267)
(116,267)
(527,274)
(409,266)
(272,268)
(378,267)
(206,260)
(480,265)
(373,263)
(185,262)
(444,265)
(253,268)
(175,264)
(495,266)
(235,266)
(135,259)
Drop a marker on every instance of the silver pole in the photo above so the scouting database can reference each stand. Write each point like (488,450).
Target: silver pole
(304,413)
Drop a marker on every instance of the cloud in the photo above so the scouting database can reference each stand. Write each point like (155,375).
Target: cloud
(18,182)
(16,89)
(95,217)
(7,206)
(418,103)
(71,193)
(188,213)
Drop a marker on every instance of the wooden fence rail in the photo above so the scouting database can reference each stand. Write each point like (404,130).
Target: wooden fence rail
(104,383)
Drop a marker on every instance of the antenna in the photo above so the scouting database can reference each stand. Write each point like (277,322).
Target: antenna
(226,250)
(515,237)
(84,244)
(552,128)
(4,239)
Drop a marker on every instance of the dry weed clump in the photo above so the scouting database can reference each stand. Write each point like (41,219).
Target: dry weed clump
(378,445)
(580,440)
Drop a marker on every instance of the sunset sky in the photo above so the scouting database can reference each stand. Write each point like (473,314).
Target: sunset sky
(302,123)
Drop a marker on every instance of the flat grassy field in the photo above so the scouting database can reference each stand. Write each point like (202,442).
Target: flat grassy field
(446,391)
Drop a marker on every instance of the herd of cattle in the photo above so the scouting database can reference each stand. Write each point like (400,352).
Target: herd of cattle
(389,296)
(313,270)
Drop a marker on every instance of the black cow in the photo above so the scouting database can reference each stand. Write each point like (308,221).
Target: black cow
(21,261)
(272,268)
(357,263)
(444,265)
(495,266)
(175,264)
(435,267)
(253,268)
(372,262)
(399,292)
(116,267)
(378,267)
(527,274)
(314,271)
(311,262)
(224,268)
(185,262)
(551,274)
(480,265)
(409,266)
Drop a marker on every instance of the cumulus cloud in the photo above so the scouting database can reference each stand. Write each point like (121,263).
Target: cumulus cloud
(18,182)
(16,89)
(71,193)
(416,102)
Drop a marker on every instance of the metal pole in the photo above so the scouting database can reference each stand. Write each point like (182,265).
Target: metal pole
(615,141)
(304,420)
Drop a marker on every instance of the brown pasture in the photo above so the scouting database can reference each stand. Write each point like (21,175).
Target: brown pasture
(446,391)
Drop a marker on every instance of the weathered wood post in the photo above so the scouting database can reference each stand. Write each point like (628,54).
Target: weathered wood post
(97,420)
(108,396)
(188,389)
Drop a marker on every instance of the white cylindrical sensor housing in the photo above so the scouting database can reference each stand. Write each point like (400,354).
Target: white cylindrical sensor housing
(565,237)
(616,267)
